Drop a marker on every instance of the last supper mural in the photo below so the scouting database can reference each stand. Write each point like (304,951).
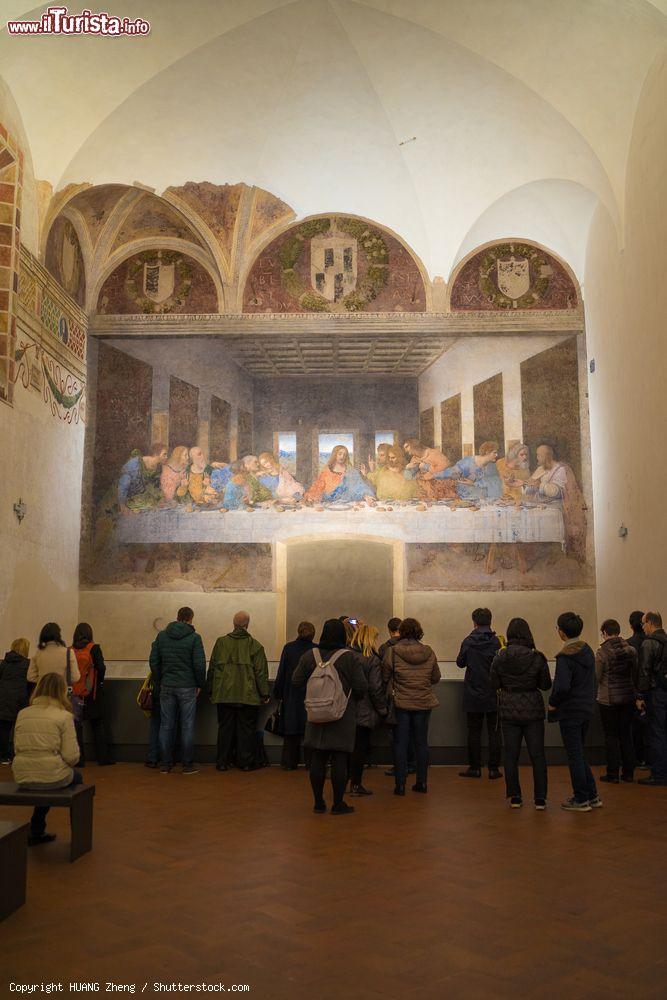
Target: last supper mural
(478,466)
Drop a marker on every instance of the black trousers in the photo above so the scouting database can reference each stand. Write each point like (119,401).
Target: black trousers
(617,723)
(318,769)
(475,725)
(359,756)
(236,734)
(6,748)
(291,752)
(533,733)
(100,736)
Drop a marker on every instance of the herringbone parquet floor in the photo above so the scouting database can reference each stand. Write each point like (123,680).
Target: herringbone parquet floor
(231,878)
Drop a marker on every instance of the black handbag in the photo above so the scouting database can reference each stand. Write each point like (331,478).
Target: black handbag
(274,723)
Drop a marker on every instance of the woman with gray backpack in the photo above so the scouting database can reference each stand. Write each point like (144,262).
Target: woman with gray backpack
(334,680)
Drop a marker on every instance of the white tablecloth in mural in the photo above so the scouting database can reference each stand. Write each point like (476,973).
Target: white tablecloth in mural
(435,524)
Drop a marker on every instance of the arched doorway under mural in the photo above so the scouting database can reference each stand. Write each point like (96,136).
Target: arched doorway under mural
(325,578)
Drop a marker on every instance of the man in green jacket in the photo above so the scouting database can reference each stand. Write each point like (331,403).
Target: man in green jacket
(238,683)
(178,669)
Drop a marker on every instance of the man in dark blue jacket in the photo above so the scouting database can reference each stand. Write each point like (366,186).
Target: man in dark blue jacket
(178,668)
(572,702)
(480,700)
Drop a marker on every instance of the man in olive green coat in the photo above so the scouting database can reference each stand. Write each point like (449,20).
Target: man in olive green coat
(238,683)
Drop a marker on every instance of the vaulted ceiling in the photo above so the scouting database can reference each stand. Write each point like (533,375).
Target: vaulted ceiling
(452,122)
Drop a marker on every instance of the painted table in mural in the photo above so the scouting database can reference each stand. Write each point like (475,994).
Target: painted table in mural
(491,524)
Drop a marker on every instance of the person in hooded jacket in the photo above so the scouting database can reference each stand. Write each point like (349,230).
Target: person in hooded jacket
(178,666)
(332,742)
(410,669)
(238,683)
(293,714)
(571,703)
(480,702)
(372,708)
(616,667)
(13,693)
(519,672)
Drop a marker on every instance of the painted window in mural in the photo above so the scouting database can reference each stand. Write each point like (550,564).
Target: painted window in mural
(286,449)
(384,437)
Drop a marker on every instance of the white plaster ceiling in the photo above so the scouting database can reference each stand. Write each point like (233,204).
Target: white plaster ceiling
(517,108)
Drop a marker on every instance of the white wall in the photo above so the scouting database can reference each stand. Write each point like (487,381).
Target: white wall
(626,333)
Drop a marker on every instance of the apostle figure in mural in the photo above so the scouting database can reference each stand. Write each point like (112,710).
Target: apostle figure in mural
(427,465)
(198,478)
(174,474)
(514,470)
(139,482)
(340,482)
(390,479)
(554,481)
(277,479)
(476,476)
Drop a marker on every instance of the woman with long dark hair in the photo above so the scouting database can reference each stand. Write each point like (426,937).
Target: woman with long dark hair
(519,673)
(52,657)
(89,689)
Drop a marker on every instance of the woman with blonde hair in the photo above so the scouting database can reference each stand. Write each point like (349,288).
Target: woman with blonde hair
(13,693)
(372,708)
(46,748)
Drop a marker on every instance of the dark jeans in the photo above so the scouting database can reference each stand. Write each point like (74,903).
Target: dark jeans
(153,756)
(318,769)
(513,734)
(475,725)
(101,737)
(291,752)
(617,724)
(6,748)
(412,752)
(359,756)
(641,738)
(574,739)
(177,704)
(411,724)
(236,734)
(38,820)
(657,716)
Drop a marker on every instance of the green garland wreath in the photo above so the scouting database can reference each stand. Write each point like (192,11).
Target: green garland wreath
(539,283)
(182,280)
(62,398)
(370,286)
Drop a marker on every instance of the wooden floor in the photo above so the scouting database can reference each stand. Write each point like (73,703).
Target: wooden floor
(231,878)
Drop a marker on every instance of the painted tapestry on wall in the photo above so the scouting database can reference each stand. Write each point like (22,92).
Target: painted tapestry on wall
(513,276)
(334,264)
(64,259)
(288,458)
(158,281)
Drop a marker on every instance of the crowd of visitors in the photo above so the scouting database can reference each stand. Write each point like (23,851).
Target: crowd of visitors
(331,695)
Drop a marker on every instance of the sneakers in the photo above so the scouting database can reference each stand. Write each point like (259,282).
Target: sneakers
(359,790)
(472,772)
(420,786)
(515,802)
(191,769)
(596,803)
(540,804)
(494,773)
(342,810)
(612,779)
(572,805)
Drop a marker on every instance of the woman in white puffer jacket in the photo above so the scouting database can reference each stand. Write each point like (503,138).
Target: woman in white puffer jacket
(45,748)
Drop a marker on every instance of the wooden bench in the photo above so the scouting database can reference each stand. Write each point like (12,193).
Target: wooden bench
(13,866)
(79,801)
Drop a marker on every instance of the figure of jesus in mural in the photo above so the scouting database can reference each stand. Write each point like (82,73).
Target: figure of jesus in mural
(340,482)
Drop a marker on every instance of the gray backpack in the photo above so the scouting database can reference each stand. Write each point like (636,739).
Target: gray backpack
(326,700)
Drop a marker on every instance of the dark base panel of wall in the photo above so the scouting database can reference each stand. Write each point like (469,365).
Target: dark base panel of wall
(128,728)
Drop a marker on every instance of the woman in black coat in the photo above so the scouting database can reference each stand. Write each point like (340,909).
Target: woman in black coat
(372,708)
(13,693)
(87,650)
(519,673)
(332,742)
(293,710)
